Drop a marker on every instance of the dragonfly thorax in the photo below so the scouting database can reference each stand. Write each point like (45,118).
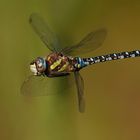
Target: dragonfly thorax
(38,66)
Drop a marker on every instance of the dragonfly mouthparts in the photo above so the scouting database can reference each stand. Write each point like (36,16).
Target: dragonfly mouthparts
(33,69)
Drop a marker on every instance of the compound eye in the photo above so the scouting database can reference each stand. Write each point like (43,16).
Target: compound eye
(40,64)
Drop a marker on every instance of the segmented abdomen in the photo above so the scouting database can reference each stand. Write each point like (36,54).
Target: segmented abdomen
(103,58)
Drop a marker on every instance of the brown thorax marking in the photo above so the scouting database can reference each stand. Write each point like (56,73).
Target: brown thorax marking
(65,63)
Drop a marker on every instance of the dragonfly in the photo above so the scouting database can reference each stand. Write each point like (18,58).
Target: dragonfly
(62,62)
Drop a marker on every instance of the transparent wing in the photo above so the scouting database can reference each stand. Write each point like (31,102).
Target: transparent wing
(42,86)
(45,34)
(89,43)
(80,90)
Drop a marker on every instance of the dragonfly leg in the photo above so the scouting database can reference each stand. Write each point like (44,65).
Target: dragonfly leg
(57,74)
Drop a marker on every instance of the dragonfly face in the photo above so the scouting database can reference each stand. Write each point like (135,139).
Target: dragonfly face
(38,66)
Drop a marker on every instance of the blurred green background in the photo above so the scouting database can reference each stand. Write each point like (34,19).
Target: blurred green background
(111,89)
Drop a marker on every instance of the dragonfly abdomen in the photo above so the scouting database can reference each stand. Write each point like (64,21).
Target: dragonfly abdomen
(109,57)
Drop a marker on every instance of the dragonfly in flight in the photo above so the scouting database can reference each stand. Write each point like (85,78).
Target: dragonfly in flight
(61,62)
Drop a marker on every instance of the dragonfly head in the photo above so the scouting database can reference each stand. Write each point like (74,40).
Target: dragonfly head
(38,66)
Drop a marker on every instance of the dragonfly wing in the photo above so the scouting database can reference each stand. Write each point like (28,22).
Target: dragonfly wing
(42,86)
(89,43)
(80,90)
(44,32)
